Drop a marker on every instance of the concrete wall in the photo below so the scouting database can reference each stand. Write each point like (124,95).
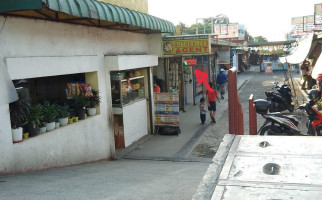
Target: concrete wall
(138,5)
(36,48)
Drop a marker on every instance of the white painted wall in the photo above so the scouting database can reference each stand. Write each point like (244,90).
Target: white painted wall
(36,48)
(130,62)
(135,121)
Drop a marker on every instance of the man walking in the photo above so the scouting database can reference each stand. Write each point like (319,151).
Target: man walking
(221,81)
(212,95)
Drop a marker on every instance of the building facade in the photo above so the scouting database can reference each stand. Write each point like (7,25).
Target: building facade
(45,55)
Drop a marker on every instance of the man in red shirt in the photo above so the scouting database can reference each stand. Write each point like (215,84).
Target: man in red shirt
(212,95)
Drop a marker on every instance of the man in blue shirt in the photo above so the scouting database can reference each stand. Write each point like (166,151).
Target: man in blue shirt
(221,81)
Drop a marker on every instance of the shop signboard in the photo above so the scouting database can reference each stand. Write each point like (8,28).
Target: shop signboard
(273,49)
(318,13)
(186,45)
(223,55)
(226,30)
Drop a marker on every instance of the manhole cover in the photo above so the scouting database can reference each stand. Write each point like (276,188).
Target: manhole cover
(271,169)
(264,144)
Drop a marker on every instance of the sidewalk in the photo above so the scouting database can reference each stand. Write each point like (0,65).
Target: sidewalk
(176,148)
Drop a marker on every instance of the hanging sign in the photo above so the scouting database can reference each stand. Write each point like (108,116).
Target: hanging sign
(189,62)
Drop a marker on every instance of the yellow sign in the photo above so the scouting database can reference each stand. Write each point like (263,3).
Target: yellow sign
(191,46)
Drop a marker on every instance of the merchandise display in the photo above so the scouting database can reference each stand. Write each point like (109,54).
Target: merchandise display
(127,91)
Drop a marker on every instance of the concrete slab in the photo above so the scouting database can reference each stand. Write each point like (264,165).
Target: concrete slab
(268,167)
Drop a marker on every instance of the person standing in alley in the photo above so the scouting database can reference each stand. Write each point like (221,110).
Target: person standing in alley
(202,110)
(156,88)
(221,81)
(305,73)
(212,95)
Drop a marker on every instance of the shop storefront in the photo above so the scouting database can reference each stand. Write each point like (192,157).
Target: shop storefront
(130,91)
(268,54)
(181,56)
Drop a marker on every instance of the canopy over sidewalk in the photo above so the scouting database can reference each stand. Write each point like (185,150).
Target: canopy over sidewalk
(300,52)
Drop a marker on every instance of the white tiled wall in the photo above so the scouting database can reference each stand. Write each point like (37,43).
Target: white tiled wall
(135,122)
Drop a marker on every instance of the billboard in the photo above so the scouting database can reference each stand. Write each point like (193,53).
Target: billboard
(297,25)
(241,32)
(318,13)
(226,30)
(308,23)
(185,45)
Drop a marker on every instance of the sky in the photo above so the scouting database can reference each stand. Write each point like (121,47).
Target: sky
(270,19)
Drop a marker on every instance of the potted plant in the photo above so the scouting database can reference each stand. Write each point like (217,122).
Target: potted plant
(79,104)
(34,119)
(19,111)
(42,128)
(50,115)
(63,114)
(94,100)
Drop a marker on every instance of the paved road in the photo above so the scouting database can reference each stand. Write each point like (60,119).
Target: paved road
(257,84)
(113,180)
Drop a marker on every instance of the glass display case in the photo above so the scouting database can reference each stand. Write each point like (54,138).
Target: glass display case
(126,91)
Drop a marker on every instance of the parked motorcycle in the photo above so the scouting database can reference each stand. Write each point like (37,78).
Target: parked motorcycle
(280,100)
(278,124)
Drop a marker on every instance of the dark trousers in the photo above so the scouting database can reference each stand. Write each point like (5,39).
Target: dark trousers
(203,118)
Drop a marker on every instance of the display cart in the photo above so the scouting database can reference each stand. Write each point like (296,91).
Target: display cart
(167,114)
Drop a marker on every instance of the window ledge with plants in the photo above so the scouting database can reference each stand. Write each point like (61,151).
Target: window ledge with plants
(32,120)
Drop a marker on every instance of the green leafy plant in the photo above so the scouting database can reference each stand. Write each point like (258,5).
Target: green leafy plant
(63,111)
(36,115)
(50,111)
(19,111)
(80,102)
(94,100)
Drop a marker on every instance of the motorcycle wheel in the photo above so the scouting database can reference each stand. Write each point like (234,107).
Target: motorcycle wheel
(271,130)
(291,108)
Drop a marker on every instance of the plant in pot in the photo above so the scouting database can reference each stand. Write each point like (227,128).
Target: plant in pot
(94,100)
(19,111)
(63,114)
(50,115)
(34,119)
(79,104)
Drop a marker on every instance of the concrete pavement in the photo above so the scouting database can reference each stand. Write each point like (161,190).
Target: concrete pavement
(178,148)
(112,180)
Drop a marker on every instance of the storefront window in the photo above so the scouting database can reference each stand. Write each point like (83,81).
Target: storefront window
(126,90)
(52,101)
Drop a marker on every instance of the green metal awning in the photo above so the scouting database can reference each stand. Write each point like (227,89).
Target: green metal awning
(87,12)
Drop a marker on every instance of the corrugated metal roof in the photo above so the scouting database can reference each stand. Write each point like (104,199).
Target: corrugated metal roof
(89,9)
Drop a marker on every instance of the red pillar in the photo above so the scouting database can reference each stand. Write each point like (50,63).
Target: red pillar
(236,117)
(252,116)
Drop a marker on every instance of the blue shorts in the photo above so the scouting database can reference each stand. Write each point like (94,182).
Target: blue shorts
(212,106)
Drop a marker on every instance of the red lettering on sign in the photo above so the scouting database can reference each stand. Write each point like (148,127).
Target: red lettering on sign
(198,49)
(202,78)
